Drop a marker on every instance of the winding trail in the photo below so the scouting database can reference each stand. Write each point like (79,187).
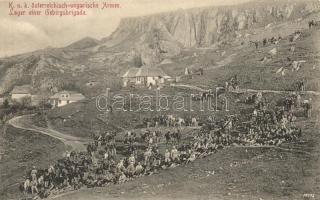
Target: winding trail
(239,91)
(188,87)
(274,91)
(24,122)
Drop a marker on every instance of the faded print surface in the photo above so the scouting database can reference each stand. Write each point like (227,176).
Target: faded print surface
(171,99)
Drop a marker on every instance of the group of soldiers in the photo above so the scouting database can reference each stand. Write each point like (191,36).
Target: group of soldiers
(232,84)
(99,166)
(113,161)
(266,41)
(170,120)
(276,40)
(313,23)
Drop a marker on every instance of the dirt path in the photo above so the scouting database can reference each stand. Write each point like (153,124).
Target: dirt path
(188,87)
(275,91)
(24,122)
(246,90)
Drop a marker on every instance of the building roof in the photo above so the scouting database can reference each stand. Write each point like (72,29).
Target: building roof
(68,95)
(144,71)
(131,73)
(37,97)
(22,89)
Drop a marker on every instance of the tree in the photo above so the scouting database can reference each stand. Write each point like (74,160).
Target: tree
(6,103)
(44,104)
(25,102)
(70,86)
(137,61)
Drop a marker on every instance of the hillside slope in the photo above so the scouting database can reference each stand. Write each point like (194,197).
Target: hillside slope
(148,40)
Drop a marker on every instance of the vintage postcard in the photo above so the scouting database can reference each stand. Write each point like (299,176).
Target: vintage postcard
(159,99)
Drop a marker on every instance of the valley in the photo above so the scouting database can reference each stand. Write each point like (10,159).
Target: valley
(257,63)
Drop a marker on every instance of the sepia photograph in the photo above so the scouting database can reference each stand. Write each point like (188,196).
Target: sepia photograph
(150,99)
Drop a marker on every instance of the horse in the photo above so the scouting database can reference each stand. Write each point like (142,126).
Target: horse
(179,122)
(313,23)
(170,120)
(26,187)
(207,95)
(299,86)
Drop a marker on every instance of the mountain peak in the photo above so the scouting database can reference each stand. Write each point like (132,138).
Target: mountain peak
(85,42)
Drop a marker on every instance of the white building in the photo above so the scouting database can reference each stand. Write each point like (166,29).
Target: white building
(144,76)
(65,97)
(20,92)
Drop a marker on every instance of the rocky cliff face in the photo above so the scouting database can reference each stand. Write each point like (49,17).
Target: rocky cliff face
(208,26)
(146,40)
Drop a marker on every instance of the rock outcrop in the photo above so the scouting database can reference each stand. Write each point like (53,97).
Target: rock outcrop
(146,40)
(207,26)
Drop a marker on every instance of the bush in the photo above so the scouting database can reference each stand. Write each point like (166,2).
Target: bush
(25,102)
(137,61)
(22,104)
(45,105)
(70,86)
(6,103)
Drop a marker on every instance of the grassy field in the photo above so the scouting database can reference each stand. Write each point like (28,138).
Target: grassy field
(21,151)
(83,118)
(255,74)
(232,173)
(242,173)
(286,173)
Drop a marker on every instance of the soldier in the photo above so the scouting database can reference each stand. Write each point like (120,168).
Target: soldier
(307,109)
(147,156)
(122,178)
(256,44)
(284,122)
(34,173)
(139,169)
(298,101)
(226,86)
(311,24)
(192,157)
(106,155)
(201,71)
(34,188)
(167,157)
(132,159)
(167,135)
(131,170)
(174,154)
(120,166)
(264,42)
(26,185)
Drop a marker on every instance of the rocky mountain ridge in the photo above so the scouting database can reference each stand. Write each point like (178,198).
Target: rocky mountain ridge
(201,27)
(146,40)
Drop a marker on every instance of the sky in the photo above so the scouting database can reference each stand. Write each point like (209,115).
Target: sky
(20,34)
